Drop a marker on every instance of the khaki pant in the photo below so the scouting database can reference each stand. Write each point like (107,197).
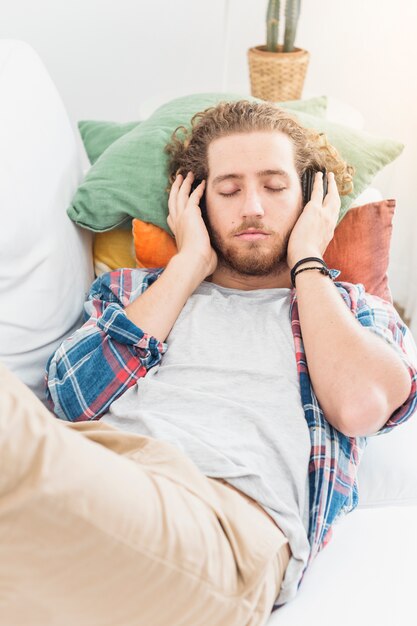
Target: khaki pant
(99,527)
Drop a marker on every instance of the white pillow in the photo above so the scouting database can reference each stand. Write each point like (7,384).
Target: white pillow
(387,473)
(46,261)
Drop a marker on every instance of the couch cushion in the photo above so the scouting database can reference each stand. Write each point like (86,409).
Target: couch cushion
(46,266)
(365,575)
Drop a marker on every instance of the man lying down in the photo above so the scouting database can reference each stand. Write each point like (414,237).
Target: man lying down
(214,412)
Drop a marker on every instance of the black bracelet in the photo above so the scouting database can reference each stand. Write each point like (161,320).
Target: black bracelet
(322,270)
(310,258)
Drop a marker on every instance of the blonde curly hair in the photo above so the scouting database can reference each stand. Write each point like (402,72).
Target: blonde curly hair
(188,148)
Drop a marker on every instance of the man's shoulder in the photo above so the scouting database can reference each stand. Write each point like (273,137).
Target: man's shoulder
(356,296)
(368,308)
(375,312)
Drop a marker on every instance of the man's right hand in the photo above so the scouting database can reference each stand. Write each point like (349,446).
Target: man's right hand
(186,222)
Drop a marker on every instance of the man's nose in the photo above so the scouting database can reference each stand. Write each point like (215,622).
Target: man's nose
(251,204)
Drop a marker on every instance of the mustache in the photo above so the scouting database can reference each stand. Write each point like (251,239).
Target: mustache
(255,225)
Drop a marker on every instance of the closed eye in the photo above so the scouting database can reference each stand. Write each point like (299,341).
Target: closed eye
(227,195)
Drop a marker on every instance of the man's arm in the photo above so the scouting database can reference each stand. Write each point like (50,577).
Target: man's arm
(158,307)
(358,379)
(117,345)
(107,355)
(128,319)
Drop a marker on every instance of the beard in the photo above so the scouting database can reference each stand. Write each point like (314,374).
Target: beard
(252,258)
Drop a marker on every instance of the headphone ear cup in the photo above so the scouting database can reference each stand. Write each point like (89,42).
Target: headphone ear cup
(304,187)
(311,175)
(325,185)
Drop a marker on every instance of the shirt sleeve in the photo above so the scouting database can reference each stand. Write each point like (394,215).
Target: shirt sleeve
(107,355)
(381,318)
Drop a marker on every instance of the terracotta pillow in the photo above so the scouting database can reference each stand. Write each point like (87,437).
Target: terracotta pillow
(359,248)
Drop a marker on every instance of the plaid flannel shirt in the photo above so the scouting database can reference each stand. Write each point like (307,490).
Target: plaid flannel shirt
(109,353)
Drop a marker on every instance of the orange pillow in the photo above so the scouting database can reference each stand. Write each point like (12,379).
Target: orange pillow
(359,248)
(154,247)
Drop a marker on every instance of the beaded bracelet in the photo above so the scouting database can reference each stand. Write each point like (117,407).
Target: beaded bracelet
(323,270)
(310,258)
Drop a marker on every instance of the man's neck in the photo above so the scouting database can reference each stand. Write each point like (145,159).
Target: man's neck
(224,277)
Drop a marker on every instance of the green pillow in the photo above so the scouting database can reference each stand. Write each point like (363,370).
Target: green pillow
(366,152)
(128,178)
(97,136)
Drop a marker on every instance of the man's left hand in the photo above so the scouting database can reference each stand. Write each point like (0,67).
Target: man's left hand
(314,229)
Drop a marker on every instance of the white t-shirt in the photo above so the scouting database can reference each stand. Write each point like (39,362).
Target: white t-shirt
(227,393)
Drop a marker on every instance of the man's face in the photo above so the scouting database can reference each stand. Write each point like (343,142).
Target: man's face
(252,184)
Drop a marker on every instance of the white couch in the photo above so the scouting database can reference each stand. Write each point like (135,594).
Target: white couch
(366,573)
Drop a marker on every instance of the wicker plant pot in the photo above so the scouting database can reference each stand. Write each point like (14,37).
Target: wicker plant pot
(277,76)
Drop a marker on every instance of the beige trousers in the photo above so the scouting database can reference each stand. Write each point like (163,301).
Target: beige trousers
(99,527)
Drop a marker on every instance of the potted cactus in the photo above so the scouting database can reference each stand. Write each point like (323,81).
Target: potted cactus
(277,71)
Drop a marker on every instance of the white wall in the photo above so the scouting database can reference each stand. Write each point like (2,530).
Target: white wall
(108,58)
(363,53)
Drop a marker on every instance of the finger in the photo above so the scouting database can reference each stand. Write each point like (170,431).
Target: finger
(184,191)
(172,200)
(198,191)
(332,198)
(317,191)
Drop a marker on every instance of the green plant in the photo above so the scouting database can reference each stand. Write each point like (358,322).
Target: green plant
(292,13)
